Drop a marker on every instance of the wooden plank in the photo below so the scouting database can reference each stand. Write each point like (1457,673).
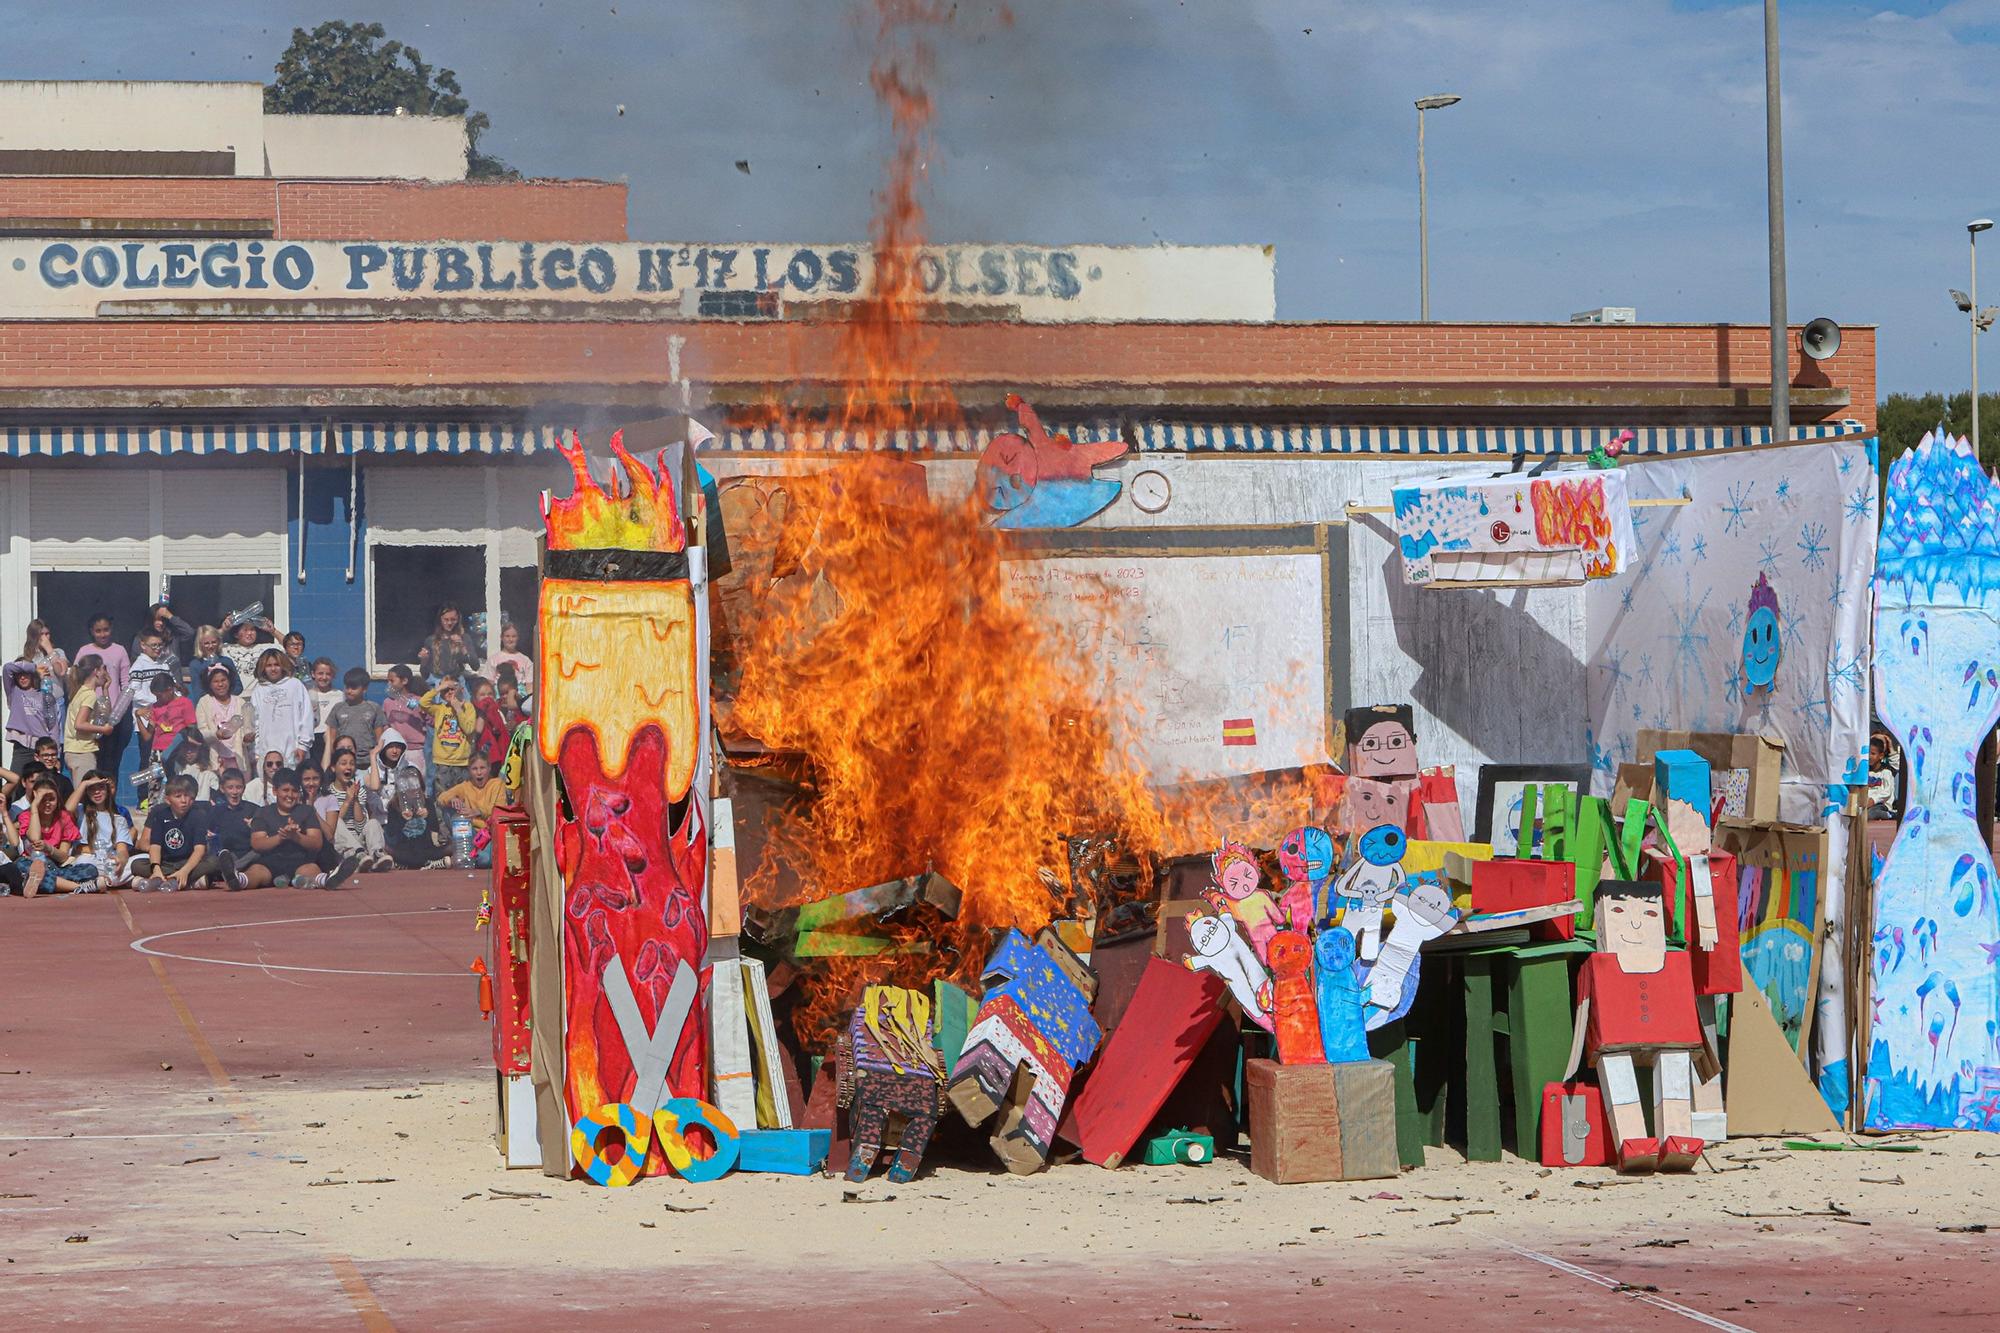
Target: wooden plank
(832,944)
(1482,1082)
(1159,1035)
(774,1100)
(729,1037)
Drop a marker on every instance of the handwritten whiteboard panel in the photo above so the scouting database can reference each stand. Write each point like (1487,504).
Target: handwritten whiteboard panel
(1214,664)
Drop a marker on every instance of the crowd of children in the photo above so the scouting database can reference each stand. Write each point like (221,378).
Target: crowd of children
(256,767)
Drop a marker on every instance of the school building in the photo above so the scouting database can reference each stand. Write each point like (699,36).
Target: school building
(302,361)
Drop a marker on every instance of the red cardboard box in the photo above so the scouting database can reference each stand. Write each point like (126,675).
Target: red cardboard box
(1574,1131)
(1507,883)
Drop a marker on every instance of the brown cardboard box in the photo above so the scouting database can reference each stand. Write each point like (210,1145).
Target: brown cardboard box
(1762,757)
(1322,1122)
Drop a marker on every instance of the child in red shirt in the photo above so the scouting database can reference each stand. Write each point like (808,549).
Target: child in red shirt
(172,715)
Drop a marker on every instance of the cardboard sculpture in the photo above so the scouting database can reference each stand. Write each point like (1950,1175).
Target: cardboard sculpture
(1171,1015)
(507,963)
(1514,530)
(1635,1002)
(1322,1122)
(1307,857)
(1780,910)
(1423,913)
(1219,949)
(1364,889)
(1296,1011)
(1573,1128)
(1338,998)
(1367,803)
(889,1069)
(1382,741)
(1932,1060)
(1034,1030)
(1238,889)
(1037,480)
(621,711)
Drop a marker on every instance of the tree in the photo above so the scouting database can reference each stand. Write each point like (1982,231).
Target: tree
(1902,418)
(345,69)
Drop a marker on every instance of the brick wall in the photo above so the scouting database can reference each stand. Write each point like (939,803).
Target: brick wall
(339,210)
(269,353)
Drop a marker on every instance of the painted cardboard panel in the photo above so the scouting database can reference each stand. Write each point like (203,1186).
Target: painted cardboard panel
(1932,1055)
(1558,529)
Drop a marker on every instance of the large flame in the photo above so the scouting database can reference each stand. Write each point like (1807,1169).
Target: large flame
(944,726)
(645,516)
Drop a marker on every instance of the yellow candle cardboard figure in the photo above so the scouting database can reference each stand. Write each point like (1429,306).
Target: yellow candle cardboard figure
(620,713)
(1635,1002)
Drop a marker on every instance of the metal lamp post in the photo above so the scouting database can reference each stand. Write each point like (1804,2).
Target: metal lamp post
(1774,204)
(1434,102)
(1982,320)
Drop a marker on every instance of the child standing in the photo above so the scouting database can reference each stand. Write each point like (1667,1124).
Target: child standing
(295,648)
(448,653)
(87,725)
(281,715)
(452,723)
(208,654)
(152,662)
(224,719)
(496,724)
(243,647)
(356,718)
(510,655)
(324,695)
(29,718)
(404,713)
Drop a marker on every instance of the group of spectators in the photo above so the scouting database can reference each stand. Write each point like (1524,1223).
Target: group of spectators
(256,768)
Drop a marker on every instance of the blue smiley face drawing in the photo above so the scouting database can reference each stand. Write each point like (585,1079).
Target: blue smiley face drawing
(1761,650)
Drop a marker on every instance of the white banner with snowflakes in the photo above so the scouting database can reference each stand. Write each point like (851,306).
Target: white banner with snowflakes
(1747,609)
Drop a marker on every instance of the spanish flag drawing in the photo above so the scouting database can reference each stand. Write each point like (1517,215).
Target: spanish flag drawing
(1239,731)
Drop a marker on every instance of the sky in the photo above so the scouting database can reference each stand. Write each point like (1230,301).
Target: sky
(1604,154)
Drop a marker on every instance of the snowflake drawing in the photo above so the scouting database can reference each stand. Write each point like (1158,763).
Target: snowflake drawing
(1845,672)
(1839,588)
(1768,555)
(1670,548)
(1645,676)
(1734,682)
(1817,712)
(1660,721)
(1812,546)
(1861,504)
(1690,643)
(1700,547)
(1785,492)
(1794,631)
(1735,625)
(1614,672)
(1736,513)
(1600,758)
(1625,598)
(1846,464)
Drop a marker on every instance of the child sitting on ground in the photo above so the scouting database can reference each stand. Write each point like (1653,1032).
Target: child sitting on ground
(47,844)
(476,798)
(104,830)
(175,843)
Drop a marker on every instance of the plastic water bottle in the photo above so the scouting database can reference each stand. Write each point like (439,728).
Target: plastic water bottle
(461,842)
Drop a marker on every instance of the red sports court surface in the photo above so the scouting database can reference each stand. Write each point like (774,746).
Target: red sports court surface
(162,1104)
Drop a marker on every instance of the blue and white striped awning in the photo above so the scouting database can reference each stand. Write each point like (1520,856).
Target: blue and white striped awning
(264,437)
(1256,438)
(515,439)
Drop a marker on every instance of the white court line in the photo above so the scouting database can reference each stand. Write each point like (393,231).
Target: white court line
(143,945)
(197,1134)
(1672,1307)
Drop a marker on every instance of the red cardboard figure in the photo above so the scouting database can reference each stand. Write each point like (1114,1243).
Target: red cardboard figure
(1635,1001)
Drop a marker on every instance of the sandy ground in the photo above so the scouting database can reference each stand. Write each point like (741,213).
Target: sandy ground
(287,1121)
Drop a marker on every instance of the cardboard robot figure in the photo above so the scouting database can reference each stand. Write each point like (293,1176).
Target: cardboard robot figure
(1366,887)
(888,1067)
(1635,1002)
(1238,888)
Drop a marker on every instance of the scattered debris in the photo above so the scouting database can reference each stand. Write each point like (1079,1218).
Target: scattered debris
(1813,1145)
(1531,1194)
(165,1065)
(650,1226)
(1663,1243)
(377,1180)
(408,1096)
(315,1124)
(493,1192)
(1634,1286)
(1195,1198)
(1603,1184)
(192,1160)
(1882,1180)
(77,1239)
(694,1208)
(854,1196)
(1832,1209)
(1968,1229)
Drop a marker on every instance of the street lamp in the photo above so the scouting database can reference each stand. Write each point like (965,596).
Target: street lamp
(1435,102)
(1982,320)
